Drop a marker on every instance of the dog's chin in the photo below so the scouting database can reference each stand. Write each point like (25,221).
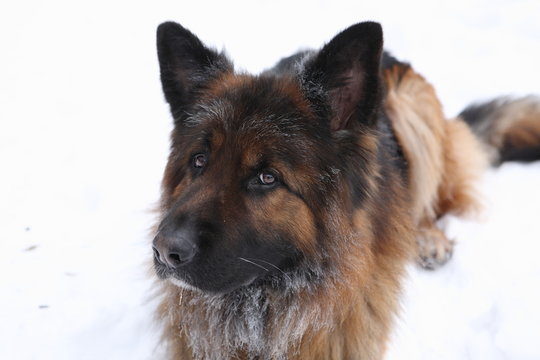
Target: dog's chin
(214,291)
(182,284)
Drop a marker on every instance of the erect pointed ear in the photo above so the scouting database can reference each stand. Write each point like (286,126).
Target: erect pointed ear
(186,66)
(347,71)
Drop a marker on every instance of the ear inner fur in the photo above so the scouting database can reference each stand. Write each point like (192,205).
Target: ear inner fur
(347,68)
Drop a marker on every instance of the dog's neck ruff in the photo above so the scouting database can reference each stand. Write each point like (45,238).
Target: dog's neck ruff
(262,320)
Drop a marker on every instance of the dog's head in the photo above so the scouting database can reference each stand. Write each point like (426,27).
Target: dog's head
(257,161)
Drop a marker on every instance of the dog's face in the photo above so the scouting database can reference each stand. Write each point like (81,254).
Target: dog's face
(235,183)
(255,161)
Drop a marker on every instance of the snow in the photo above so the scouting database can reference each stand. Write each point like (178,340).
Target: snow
(84,139)
(483,304)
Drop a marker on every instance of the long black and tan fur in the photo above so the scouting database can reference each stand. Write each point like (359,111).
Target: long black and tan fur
(292,200)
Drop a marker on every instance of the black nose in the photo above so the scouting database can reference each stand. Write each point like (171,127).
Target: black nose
(174,249)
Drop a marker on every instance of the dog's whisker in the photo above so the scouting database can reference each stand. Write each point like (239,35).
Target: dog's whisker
(274,266)
(251,262)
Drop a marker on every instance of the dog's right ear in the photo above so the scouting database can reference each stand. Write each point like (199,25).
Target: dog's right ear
(186,66)
(345,73)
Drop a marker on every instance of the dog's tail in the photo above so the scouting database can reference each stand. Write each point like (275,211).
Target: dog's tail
(510,128)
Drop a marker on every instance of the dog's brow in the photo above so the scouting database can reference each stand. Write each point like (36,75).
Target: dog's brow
(216,109)
(215,139)
(253,160)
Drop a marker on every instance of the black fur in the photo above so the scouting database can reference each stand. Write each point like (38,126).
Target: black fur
(475,115)
(484,119)
(347,69)
(289,65)
(527,154)
(388,61)
(186,66)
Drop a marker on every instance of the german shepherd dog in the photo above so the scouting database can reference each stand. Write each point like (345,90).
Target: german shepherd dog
(293,200)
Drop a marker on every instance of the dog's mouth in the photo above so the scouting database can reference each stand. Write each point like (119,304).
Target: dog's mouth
(201,280)
(166,274)
(182,284)
(185,285)
(223,270)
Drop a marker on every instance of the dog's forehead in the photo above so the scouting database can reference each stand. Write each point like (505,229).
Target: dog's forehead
(255,118)
(255,103)
(256,139)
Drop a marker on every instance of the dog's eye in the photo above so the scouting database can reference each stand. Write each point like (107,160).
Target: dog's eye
(264,181)
(267,178)
(199,160)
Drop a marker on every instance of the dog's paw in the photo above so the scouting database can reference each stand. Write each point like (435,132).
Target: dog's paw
(434,249)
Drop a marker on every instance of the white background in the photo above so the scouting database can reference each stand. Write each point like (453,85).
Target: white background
(84,139)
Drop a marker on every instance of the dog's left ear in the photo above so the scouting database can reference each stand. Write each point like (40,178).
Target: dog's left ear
(186,66)
(347,71)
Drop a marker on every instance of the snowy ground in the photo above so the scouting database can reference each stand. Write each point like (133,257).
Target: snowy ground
(84,138)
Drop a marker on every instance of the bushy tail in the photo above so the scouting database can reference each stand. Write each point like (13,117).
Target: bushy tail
(510,128)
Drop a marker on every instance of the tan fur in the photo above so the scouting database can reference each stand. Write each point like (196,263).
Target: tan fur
(464,162)
(287,217)
(350,317)
(513,124)
(445,158)
(525,133)
(345,244)
(351,314)
(419,123)
(361,324)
